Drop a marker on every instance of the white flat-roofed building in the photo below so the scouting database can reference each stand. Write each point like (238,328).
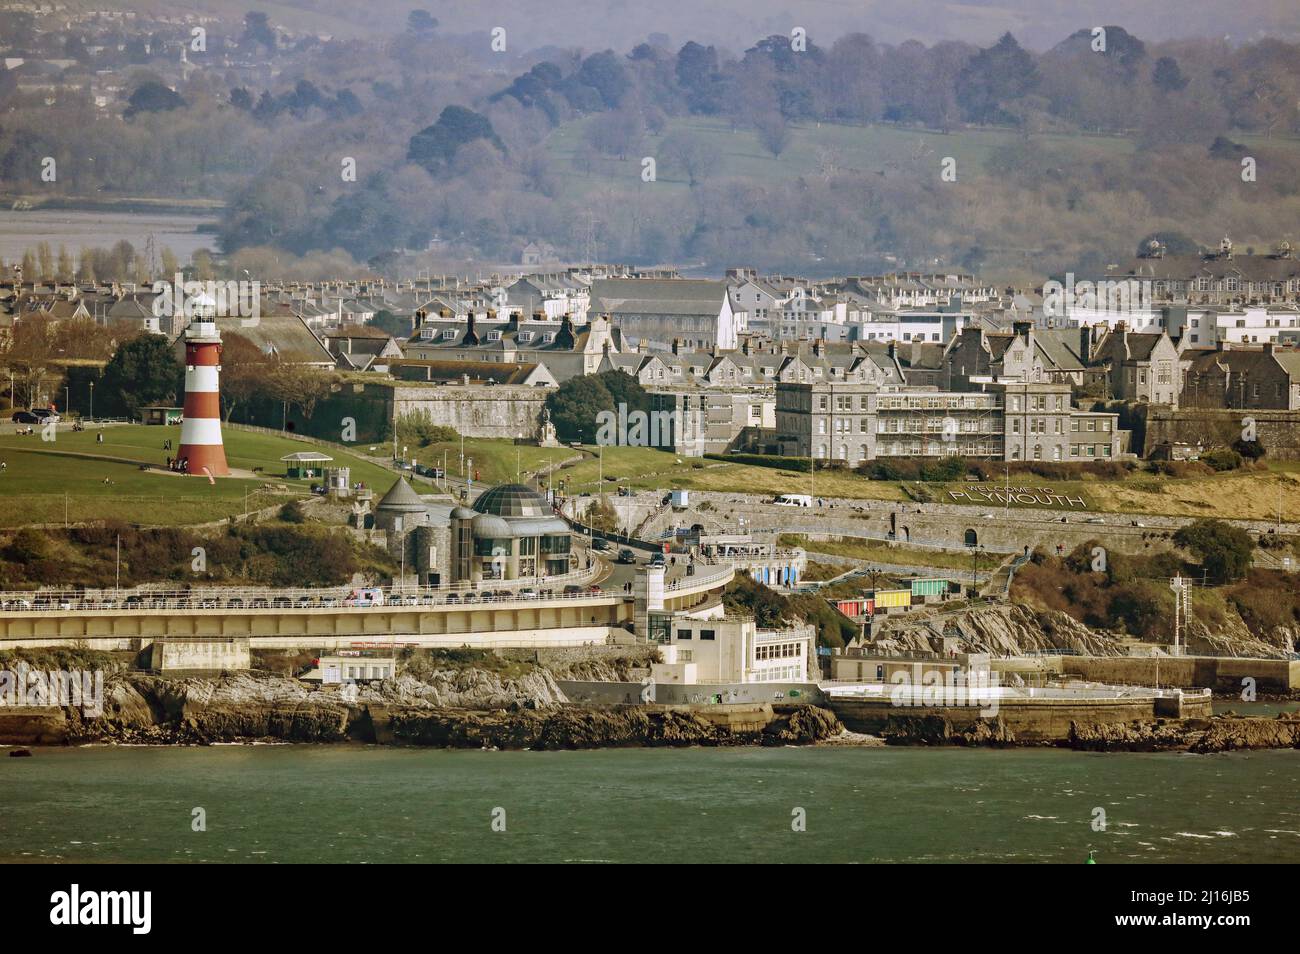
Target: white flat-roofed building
(734,649)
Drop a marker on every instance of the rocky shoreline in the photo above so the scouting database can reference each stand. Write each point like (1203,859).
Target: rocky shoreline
(1202,736)
(453,709)
(473,708)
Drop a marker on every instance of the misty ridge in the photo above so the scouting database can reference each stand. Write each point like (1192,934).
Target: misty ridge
(429,139)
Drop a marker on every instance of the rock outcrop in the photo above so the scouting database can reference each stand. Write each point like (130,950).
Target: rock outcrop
(1220,734)
(1008,629)
(453,708)
(939,730)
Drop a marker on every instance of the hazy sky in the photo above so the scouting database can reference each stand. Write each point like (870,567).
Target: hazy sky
(594,24)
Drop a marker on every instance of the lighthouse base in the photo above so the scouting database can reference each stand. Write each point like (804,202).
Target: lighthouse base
(201,460)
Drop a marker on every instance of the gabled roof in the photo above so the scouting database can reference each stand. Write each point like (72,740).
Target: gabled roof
(658,296)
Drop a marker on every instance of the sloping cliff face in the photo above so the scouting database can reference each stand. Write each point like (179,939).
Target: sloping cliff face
(999,630)
(1014,629)
(1233,638)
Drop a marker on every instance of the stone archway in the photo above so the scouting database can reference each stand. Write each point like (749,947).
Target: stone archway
(971,538)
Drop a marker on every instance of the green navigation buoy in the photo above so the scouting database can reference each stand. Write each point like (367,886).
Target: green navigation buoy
(1091,860)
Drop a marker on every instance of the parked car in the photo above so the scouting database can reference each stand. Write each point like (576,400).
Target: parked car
(571,589)
(455,597)
(234,603)
(46,415)
(329,601)
(657,560)
(25,417)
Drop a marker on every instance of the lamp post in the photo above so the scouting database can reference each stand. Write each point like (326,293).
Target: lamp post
(975,550)
(92,400)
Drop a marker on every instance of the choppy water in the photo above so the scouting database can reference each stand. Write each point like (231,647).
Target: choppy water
(357,804)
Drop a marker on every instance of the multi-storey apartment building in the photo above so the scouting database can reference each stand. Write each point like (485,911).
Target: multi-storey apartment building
(856,422)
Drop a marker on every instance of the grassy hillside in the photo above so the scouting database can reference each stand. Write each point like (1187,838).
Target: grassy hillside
(41,480)
(1239,494)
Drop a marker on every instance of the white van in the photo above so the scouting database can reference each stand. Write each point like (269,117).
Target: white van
(366,596)
(793,500)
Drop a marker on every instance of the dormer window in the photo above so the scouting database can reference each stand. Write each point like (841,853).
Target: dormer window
(428,333)
(449,334)
(494,336)
(525,336)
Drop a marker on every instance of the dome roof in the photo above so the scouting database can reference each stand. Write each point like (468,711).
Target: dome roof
(489,526)
(463,513)
(401,497)
(512,500)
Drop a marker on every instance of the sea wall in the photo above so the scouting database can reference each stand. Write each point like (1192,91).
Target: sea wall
(599,692)
(1222,674)
(1023,721)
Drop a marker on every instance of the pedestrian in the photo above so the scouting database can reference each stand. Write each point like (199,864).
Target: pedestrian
(99,438)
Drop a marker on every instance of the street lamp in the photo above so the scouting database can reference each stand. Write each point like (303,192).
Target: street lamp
(92,400)
(975,550)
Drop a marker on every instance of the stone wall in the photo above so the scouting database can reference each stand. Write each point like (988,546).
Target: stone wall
(996,528)
(499,411)
(1040,720)
(173,657)
(749,693)
(1224,674)
(1278,431)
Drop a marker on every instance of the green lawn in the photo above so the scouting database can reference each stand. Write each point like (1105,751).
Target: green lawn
(497,461)
(871,552)
(42,481)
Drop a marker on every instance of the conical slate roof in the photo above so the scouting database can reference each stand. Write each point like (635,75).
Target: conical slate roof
(402,497)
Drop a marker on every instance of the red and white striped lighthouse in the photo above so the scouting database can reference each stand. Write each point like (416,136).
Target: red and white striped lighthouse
(201,452)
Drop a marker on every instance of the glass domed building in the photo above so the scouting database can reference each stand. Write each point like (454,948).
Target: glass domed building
(510,533)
